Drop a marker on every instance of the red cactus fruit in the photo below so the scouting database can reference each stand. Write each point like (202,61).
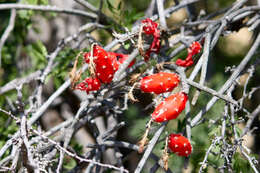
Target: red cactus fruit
(170,108)
(185,63)
(115,63)
(118,58)
(159,83)
(194,49)
(151,28)
(154,47)
(89,84)
(179,145)
(104,69)
(106,63)
(86,57)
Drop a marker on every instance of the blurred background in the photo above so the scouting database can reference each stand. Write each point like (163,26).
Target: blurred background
(37,33)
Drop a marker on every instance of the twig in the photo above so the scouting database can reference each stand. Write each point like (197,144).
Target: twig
(76,156)
(19,81)
(204,88)
(204,57)
(228,83)
(212,92)
(162,19)
(150,148)
(110,131)
(87,5)
(249,159)
(249,123)
(26,152)
(45,106)
(47,8)
(175,8)
(69,132)
(7,31)
(204,162)
(150,10)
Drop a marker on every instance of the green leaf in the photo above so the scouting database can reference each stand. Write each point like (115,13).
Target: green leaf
(38,53)
(215,131)
(130,16)
(238,130)
(110,6)
(126,46)
(240,164)
(216,149)
(181,125)
(69,163)
(64,61)
(43,2)
(119,5)
(26,14)
(32,2)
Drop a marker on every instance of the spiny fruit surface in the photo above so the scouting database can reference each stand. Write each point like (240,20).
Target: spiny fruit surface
(106,63)
(170,108)
(180,145)
(89,84)
(104,70)
(159,83)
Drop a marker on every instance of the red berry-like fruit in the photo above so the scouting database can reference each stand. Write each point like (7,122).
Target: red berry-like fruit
(149,26)
(104,65)
(119,58)
(86,57)
(170,108)
(194,49)
(185,63)
(159,83)
(89,84)
(179,145)
(104,69)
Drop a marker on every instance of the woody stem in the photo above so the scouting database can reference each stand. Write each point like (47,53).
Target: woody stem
(144,138)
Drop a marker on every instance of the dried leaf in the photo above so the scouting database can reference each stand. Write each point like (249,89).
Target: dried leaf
(92,65)
(130,94)
(144,139)
(134,78)
(73,74)
(140,42)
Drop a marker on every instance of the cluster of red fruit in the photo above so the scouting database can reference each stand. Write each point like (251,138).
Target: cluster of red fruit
(105,64)
(169,108)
